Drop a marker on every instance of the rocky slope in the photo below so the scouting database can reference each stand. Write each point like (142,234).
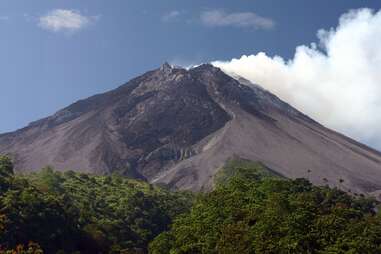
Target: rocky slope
(178,127)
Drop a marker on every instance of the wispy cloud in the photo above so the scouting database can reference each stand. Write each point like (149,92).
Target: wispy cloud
(4,18)
(219,18)
(171,15)
(64,20)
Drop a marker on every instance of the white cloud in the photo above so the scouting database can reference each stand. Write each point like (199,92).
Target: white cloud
(4,18)
(64,20)
(219,18)
(338,83)
(171,15)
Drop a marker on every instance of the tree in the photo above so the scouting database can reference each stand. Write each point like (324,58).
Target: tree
(32,248)
(6,173)
(267,214)
(6,166)
(161,244)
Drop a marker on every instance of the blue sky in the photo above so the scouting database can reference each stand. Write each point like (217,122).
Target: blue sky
(54,52)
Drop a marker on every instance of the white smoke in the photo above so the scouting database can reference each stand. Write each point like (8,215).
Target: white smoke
(337,82)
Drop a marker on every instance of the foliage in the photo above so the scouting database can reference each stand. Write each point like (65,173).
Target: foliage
(71,212)
(251,210)
(32,248)
(6,173)
(273,215)
(241,168)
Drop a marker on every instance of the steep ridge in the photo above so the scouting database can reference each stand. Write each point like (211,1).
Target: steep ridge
(178,127)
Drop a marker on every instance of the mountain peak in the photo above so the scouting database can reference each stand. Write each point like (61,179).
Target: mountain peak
(165,67)
(178,127)
(207,67)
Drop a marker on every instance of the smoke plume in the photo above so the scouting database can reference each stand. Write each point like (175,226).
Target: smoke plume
(336,81)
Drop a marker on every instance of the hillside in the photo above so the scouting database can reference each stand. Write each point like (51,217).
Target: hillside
(177,127)
(78,212)
(252,210)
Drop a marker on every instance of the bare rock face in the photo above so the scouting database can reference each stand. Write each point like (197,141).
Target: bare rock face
(178,127)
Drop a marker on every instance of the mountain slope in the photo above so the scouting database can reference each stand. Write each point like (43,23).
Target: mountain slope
(178,127)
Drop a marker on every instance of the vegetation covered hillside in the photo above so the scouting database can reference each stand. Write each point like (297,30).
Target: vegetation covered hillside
(69,212)
(251,210)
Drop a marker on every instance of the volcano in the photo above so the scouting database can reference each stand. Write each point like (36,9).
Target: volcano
(178,127)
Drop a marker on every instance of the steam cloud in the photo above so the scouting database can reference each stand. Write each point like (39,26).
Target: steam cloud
(337,82)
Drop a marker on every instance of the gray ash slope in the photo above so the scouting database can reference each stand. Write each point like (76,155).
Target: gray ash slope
(178,127)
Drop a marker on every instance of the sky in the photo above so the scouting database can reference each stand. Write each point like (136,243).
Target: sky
(55,52)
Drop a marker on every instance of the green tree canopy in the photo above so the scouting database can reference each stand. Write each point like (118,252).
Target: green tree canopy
(257,212)
(6,172)
(6,166)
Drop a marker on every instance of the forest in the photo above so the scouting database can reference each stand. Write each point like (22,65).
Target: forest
(250,210)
